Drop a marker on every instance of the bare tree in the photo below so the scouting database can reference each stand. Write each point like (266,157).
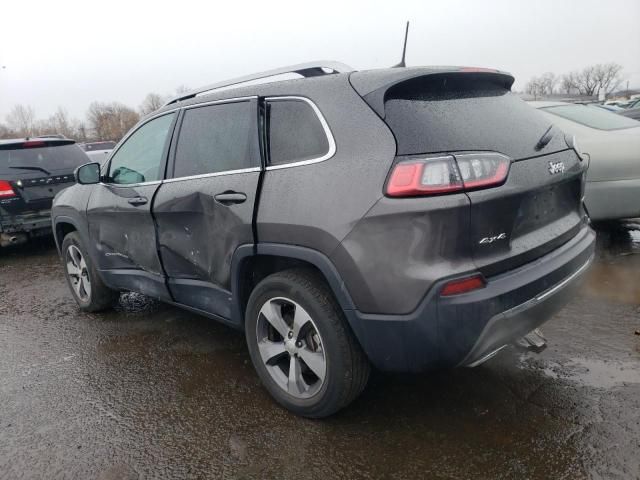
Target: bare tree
(110,121)
(569,83)
(21,120)
(608,76)
(151,103)
(61,123)
(587,81)
(543,85)
(6,132)
(182,89)
(548,81)
(534,87)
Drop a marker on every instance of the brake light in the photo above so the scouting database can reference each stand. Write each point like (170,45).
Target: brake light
(424,177)
(447,174)
(481,170)
(6,190)
(33,144)
(463,285)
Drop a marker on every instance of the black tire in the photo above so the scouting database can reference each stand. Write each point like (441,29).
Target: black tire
(347,367)
(100,297)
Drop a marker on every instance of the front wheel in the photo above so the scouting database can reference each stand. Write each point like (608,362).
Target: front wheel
(301,346)
(88,290)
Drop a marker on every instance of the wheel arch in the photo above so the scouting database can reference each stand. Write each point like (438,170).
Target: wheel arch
(62,226)
(252,263)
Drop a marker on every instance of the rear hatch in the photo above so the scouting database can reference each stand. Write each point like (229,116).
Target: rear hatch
(538,207)
(32,172)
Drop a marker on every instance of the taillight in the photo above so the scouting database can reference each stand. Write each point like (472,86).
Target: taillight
(6,190)
(463,285)
(446,174)
(33,144)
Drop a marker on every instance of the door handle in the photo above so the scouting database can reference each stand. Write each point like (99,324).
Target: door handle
(137,201)
(230,198)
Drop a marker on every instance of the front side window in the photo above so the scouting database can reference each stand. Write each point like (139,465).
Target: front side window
(216,138)
(592,117)
(139,159)
(295,132)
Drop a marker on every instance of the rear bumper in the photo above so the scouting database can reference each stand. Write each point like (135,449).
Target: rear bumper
(463,329)
(37,222)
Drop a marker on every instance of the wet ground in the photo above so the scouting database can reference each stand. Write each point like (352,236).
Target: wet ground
(149,391)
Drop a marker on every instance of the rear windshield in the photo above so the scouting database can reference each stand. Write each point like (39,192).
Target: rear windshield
(443,113)
(593,117)
(42,159)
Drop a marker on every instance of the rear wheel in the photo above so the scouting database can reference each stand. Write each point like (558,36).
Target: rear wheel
(301,346)
(87,288)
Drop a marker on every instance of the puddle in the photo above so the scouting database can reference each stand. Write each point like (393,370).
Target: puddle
(594,373)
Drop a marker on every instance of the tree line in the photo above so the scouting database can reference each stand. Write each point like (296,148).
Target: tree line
(103,121)
(590,81)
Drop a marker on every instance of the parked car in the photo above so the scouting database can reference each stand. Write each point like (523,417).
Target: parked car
(632,112)
(412,218)
(98,151)
(32,172)
(608,107)
(612,143)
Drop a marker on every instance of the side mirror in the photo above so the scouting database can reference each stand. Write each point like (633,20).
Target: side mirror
(87,174)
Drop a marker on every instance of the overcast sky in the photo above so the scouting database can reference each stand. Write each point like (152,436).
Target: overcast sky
(71,53)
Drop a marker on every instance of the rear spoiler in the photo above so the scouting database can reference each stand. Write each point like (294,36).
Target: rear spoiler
(35,143)
(373,85)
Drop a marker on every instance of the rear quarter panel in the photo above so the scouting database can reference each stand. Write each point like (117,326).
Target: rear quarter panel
(317,205)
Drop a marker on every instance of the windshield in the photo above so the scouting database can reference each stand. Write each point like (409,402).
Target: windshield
(43,159)
(593,117)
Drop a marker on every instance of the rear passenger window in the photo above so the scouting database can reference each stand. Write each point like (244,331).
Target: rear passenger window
(216,138)
(295,132)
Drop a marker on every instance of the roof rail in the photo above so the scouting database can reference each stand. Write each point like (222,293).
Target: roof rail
(310,69)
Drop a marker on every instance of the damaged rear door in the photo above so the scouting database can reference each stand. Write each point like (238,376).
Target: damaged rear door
(204,210)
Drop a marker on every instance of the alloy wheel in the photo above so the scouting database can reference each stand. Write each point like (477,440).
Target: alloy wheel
(291,347)
(78,273)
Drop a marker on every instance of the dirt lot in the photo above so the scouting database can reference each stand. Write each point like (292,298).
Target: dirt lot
(149,391)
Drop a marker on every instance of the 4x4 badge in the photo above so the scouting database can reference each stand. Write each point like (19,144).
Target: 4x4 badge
(556,167)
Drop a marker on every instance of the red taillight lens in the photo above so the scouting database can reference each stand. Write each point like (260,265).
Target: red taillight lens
(6,190)
(437,175)
(463,285)
(481,170)
(427,176)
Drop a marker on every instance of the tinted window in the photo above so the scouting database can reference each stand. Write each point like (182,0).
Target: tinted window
(216,138)
(139,159)
(593,117)
(51,158)
(295,132)
(449,112)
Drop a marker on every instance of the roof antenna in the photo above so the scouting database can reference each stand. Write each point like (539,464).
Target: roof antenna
(404,49)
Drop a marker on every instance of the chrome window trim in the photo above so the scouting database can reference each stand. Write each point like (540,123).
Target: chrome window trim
(325,126)
(214,174)
(217,102)
(121,185)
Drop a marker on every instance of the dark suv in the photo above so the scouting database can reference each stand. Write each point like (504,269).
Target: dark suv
(411,218)
(32,172)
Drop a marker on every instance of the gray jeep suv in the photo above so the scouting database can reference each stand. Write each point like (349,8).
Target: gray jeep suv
(409,218)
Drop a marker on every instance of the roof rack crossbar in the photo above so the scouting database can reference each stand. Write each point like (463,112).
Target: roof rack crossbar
(310,69)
